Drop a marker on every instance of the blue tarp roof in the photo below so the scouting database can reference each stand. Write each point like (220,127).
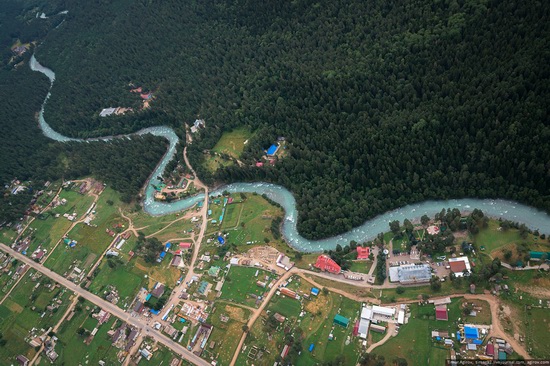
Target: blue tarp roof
(315,291)
(162,254)
(147,297)
(221,240)
(155,311)
(168,245)
(471,333)
(311,346)
(477,341)
(272,149)
(458,336)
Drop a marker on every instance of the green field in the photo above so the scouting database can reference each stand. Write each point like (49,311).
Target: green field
(23,310)
(162,356)
(319,326)
(361,266)
(414,342)
(492,238)
(129,276)
(314,326)
(285,306)
(232,215)
(390,295)
(46,232)
(71,347)
(7,235)
(257,215)
(92,240)
(226,335)
(76,202)
(243,282)
(232,143)
(537,332)
(125,277)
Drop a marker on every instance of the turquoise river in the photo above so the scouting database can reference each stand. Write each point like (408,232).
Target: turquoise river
(510,210)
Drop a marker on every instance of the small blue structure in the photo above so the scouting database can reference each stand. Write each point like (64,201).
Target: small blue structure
(314,291)
(438,338)
(161,256)
(182,320)
(147,297)
(272,150)
(458,336)
(155,312)
(221,240)
(311,347)
(477,341)
(168,245)
(209,212)
(471,333)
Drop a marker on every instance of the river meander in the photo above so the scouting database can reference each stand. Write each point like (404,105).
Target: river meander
(533,218)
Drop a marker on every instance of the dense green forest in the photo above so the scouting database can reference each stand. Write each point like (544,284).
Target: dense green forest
(26,154)
(382,103)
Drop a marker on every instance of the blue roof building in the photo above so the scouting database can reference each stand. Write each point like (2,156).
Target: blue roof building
(311,346)
(315,291)
(168,245)
(221,240)
(272,150)
(471,333)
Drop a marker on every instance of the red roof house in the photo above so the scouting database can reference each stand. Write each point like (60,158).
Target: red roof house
(490,350)
(185,245)
(441,313)
(363,253)
(325,263)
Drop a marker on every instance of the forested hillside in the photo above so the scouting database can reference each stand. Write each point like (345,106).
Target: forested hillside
(382,103)
(26,154)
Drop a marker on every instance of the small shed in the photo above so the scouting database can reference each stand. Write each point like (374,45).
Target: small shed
(311,347)
(315,291)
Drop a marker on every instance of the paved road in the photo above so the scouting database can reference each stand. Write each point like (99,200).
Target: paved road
(107,306)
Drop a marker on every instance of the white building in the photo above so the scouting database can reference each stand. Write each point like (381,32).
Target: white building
(459,265)
(380,310)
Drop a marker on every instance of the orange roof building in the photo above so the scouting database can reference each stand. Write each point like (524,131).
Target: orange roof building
(325,263)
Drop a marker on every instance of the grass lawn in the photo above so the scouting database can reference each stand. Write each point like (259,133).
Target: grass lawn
(318,324)
(71,347)
(7,235)
(162,356)
(232,214)
(359,291)
(285,306)
(129,276)
(232,143)
(76,202)
(46,232)
(537,332)
(361,266)
(492,238)
(92,240)
(314,327)
(227,335)
(125,277)
(243,282)
(150,224)
(414,341)
(257,215)
(25,309)
(412,293)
